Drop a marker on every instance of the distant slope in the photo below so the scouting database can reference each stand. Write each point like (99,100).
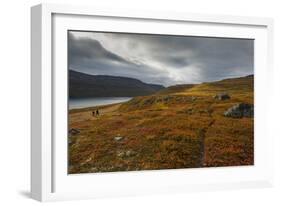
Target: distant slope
(175,88)
(240,89)
(84,85)
(231,85)
(238,83)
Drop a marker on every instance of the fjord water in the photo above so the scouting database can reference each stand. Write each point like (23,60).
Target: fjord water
(95,101)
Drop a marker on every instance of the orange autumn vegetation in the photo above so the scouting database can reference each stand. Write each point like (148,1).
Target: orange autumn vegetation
(179,127)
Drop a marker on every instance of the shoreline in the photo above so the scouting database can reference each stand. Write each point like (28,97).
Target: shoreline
(86,109)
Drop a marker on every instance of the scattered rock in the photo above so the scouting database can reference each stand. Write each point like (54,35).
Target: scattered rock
(149,101)
(163,98)
(128,153)
(118,138)
(189,111)
(167,98)
(208,111)
(73,131)
(70,141)
(193,98)
(86,161)
(121,154)
(94,169)
(240,110)
(222,96)
(202,111)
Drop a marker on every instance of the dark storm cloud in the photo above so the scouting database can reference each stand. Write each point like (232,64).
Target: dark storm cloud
(222,58)
(86,48)
(161,59)
(89,56)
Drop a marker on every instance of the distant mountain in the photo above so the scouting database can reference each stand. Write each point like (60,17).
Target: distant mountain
(83,85)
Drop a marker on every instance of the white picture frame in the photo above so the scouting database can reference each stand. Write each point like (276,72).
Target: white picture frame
(49,179)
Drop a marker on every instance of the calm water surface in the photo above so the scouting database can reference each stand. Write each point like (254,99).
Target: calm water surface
(96,101)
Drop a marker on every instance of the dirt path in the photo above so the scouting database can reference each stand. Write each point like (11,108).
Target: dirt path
(202,136)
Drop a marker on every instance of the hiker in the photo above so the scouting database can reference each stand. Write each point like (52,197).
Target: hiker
(97,112)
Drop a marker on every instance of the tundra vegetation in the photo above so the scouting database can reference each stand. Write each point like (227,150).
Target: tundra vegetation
(182,126)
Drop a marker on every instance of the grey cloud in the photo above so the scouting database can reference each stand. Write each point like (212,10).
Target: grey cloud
(86,48)
(162,59)
(89,56)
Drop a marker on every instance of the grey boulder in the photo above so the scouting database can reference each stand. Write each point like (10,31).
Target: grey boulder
(240,110)
(222,96)
(73,131)
(118,138)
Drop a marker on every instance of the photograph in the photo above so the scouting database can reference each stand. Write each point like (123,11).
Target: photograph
(139,101)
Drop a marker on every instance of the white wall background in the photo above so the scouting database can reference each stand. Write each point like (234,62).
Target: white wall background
(15,95)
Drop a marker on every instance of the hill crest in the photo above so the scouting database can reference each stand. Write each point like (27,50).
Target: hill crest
(83,85)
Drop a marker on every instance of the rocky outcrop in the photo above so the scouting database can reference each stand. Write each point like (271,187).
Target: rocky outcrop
(193,98)
(240,110)
(222,96)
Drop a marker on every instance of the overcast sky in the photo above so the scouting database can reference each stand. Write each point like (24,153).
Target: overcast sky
(160,59)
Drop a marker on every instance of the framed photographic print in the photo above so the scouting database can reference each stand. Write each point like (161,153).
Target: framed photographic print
(134,102)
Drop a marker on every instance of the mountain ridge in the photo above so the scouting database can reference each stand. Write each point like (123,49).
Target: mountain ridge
(82,85)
